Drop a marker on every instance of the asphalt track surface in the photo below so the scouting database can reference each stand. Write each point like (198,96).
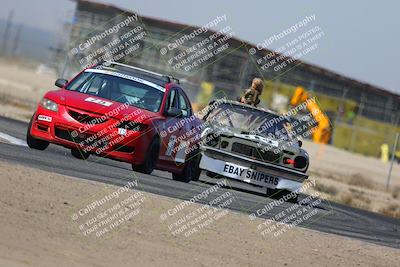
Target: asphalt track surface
(330,217)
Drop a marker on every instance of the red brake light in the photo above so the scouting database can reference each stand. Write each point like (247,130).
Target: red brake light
(288,161)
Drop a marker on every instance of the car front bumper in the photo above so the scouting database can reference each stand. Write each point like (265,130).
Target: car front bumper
(60,128)
(250,171)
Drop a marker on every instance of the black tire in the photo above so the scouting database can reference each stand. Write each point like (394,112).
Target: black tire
(79,154)
(280,193)
(150,159)
(191,171)
(32,141)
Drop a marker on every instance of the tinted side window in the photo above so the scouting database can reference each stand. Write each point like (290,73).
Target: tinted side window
(184,105)
(172,101)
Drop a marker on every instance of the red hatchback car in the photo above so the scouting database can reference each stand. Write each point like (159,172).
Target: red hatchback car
(121,112)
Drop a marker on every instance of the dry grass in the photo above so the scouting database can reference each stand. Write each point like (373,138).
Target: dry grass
(328,189)
(396,192)
(360,181)
(346,198)
(355,198)
(15,102)
(327,175)
(360,196)
(392,210)
(334,177)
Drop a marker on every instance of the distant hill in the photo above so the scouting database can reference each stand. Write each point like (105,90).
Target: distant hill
(33,43)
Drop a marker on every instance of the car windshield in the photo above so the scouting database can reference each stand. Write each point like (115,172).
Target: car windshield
(118,89)
(250,120)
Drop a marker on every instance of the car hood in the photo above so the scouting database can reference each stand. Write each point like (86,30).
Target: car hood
(273,143)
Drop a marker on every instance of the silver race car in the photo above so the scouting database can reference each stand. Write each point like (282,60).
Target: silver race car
(253,145)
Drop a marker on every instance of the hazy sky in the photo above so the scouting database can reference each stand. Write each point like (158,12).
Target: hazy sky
(361,38)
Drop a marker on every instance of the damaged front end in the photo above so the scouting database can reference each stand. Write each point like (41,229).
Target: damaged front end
(251,156)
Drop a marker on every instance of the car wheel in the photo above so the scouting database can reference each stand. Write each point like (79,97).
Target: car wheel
(79,154)
(150,159)
(191,171)
(32,141)
(280,193)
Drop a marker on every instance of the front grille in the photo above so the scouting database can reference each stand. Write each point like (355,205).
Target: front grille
(86,118)
(243,149)
(84,138)
(43,128)
(255,153)
(268,156)
(66,135)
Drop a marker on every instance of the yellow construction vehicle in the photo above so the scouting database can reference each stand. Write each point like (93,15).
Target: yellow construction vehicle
(204,97)
(322,132)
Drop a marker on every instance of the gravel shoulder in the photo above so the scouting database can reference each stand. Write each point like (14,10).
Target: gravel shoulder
(37,230)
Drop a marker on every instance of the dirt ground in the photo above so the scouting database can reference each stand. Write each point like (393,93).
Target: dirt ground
(329,160)
(21,87)
(37,229)
(354,179)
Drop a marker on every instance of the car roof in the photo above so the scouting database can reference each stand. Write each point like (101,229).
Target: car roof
(154,77)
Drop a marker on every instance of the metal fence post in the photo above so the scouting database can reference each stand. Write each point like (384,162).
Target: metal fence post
(392,160)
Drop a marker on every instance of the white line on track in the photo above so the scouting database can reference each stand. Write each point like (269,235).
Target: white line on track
(12,140)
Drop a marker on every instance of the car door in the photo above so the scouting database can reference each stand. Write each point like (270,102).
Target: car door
(170,131)
(189,131)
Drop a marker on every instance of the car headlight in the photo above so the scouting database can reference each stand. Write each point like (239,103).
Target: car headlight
(48,104)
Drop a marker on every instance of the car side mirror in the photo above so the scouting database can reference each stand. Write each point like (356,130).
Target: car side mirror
(174,112)
(61,83)
(300,143)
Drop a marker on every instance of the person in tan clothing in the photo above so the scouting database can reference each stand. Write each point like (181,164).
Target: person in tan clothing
(252,94)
